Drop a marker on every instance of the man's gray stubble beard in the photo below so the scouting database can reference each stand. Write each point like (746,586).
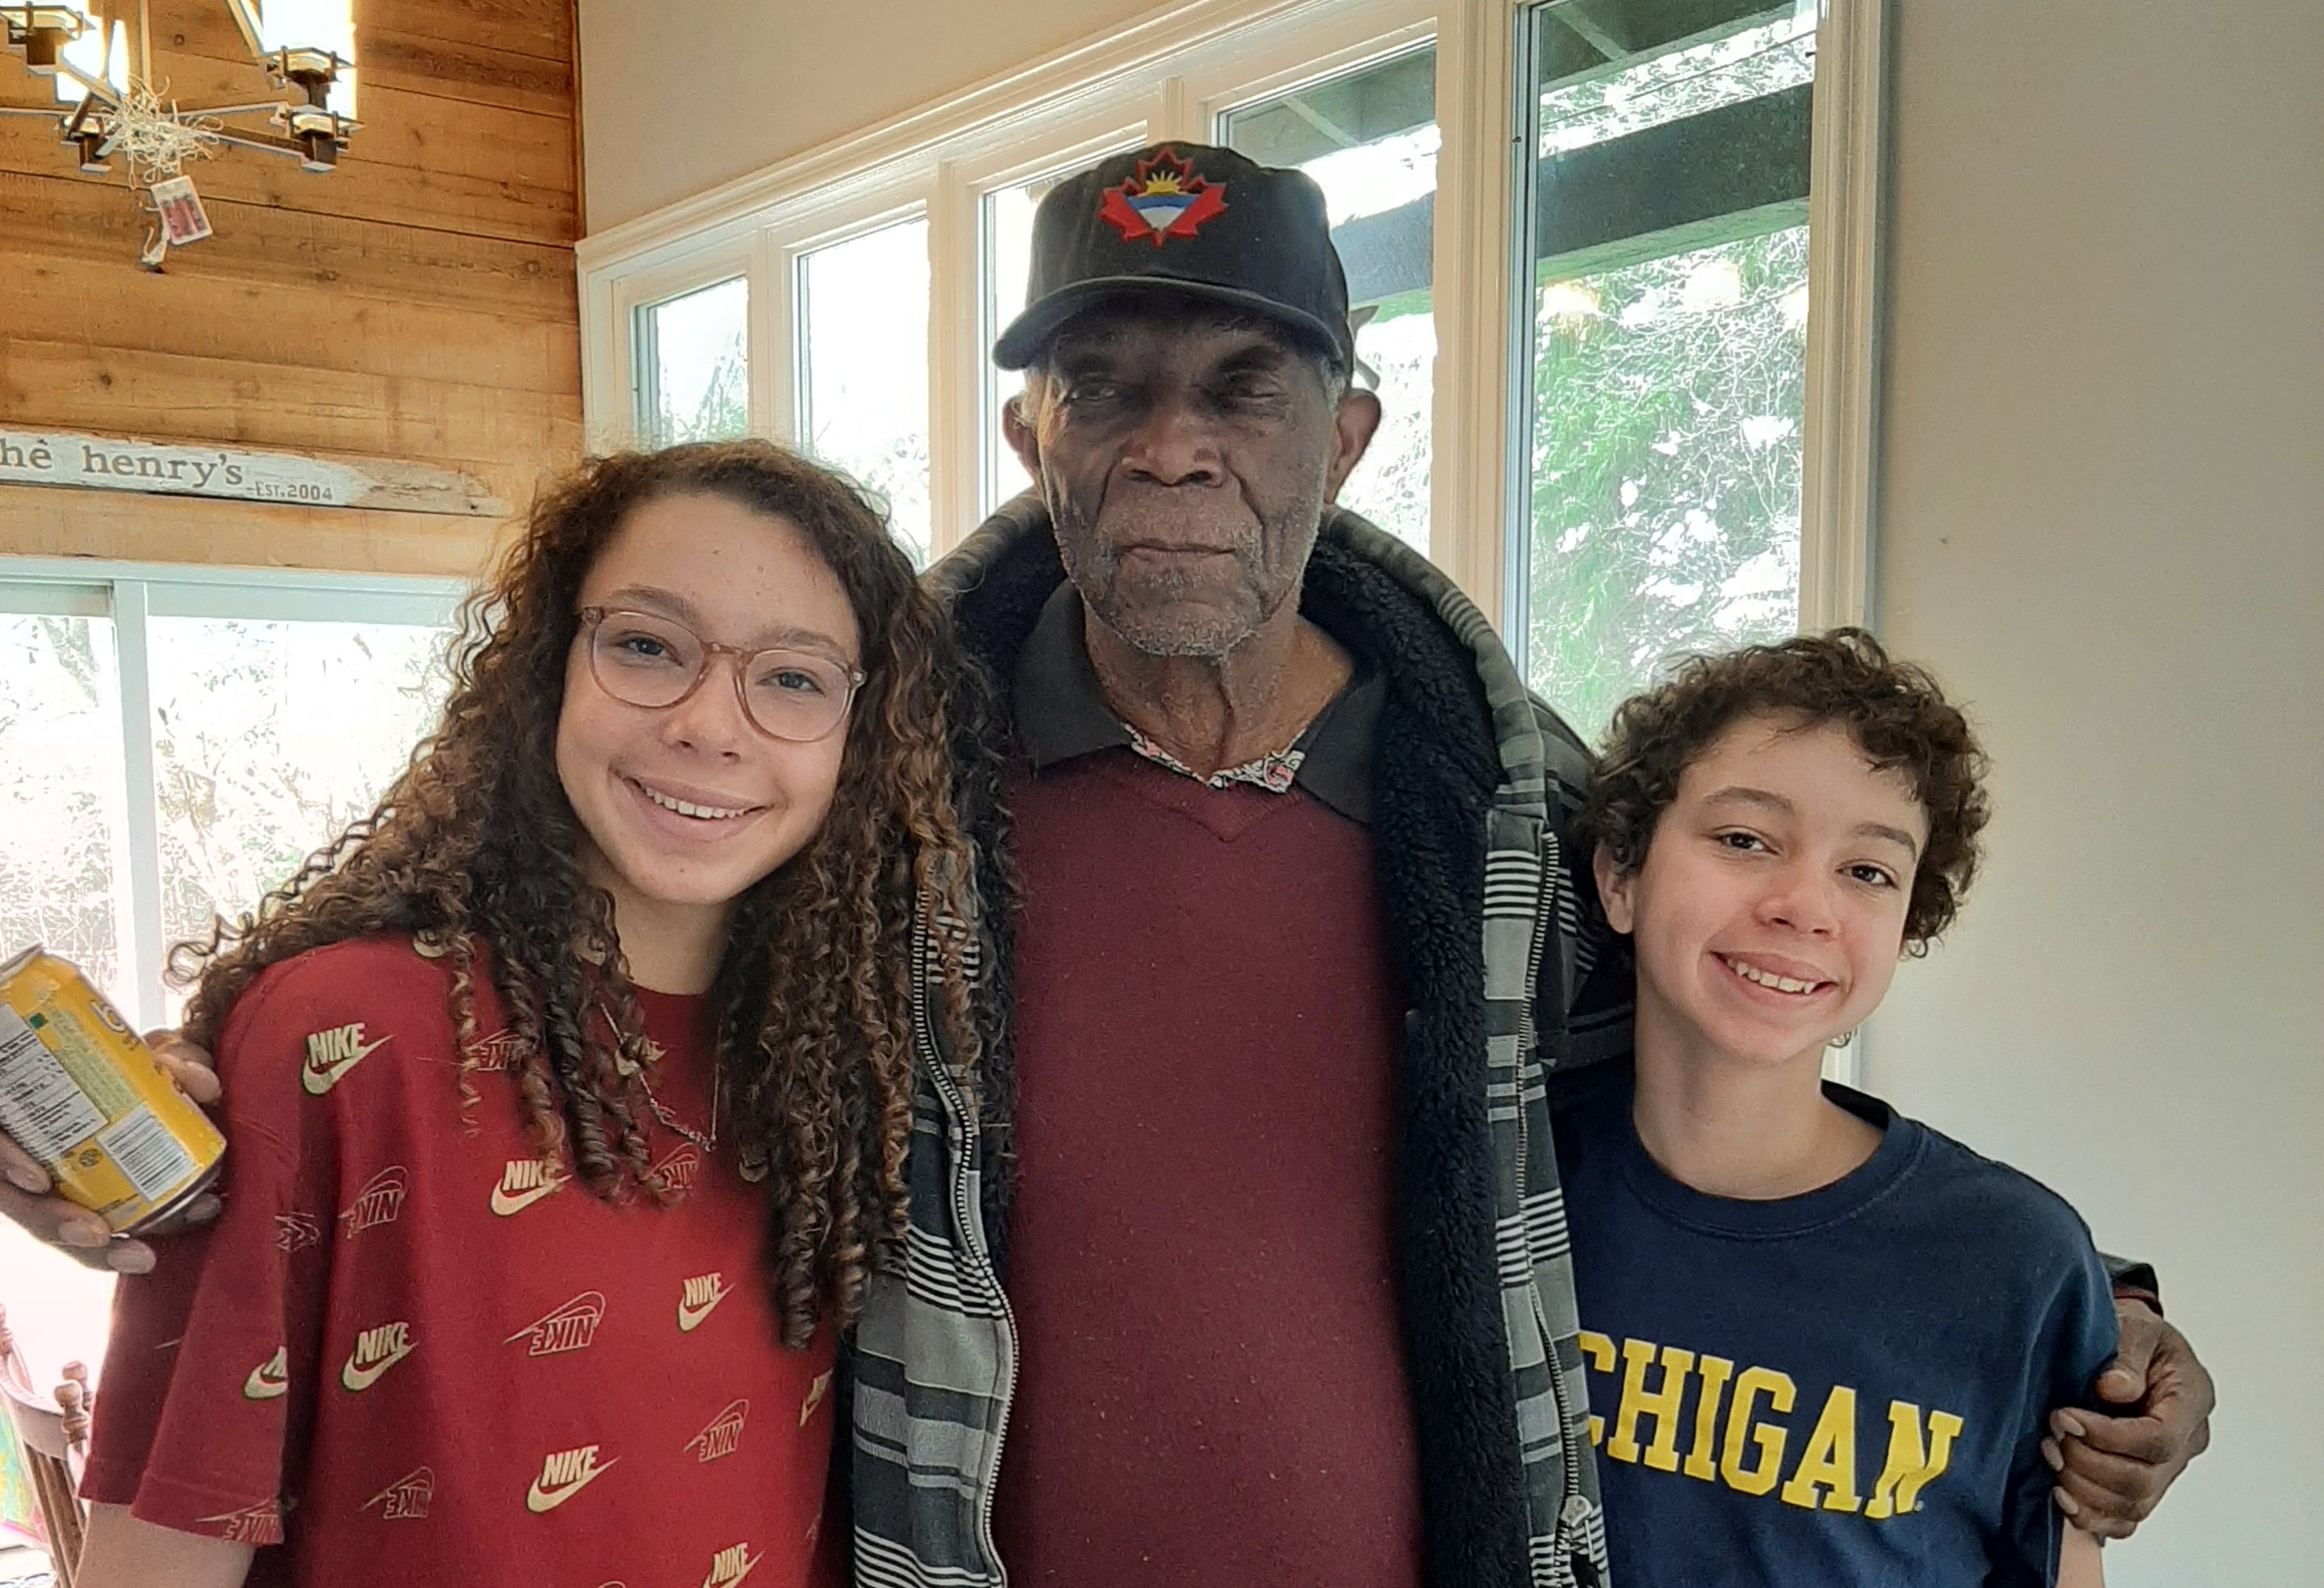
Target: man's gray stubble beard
(1205,642)
(1155,636)
(1168,624)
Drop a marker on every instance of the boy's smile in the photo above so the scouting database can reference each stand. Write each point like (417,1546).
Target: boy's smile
(1769,912)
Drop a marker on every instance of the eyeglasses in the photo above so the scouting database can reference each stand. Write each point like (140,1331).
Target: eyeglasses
(642,660)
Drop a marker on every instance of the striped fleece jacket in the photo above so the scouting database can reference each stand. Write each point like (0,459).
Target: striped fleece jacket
(1476,786)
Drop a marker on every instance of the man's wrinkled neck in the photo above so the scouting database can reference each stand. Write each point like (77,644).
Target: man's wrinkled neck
(1215,712)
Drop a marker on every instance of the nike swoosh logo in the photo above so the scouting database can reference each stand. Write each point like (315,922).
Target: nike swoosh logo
(262,1385)
(320,1078)
(506,1203)
(690,1319)
(537,1499)
(747,1569)
(356,1377)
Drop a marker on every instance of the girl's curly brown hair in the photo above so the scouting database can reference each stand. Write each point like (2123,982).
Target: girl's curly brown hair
(474,851)
(1894,711)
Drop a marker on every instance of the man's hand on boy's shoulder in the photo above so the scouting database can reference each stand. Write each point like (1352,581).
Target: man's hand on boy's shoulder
(27,1198)
(2114,1471)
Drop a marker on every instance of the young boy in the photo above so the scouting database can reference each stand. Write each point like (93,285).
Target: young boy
(1821,1338)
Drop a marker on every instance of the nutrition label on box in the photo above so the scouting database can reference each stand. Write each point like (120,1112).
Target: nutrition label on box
(40,1106)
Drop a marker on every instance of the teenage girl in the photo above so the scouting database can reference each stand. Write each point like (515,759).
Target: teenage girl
(568,1096)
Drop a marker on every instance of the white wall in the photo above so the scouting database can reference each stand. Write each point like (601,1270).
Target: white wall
(2102,520)
(666,114)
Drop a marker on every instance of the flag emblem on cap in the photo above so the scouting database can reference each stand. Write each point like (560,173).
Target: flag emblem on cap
(1163,199)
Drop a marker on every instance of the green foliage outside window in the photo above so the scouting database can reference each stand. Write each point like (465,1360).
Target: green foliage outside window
(724,411)
(1667,466)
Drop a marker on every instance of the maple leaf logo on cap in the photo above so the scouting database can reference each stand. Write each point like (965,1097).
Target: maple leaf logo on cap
(1163,199)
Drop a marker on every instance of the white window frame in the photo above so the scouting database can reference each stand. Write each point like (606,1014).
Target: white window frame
(1171,75)
(781,258)
(129,594)
(962,347)
(647,293)
(1846,160)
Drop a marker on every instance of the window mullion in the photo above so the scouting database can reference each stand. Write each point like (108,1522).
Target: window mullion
(790,277)
(1175,115)
(141,934)
(1516,315)
(1470,498)
(1839,429)
(773,366)
(956,362)
(645,365)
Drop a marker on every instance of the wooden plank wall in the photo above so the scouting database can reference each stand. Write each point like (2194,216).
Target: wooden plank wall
(418,303)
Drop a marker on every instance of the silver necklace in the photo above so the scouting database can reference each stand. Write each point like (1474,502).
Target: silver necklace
(708,1143)
(661,1111)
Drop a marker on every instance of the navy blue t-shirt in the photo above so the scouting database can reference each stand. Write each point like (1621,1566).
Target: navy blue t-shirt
(1847,1388)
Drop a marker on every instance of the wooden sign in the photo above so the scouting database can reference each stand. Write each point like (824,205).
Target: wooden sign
(108,463)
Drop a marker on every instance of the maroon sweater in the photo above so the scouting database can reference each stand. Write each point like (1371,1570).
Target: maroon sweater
(1211,1386)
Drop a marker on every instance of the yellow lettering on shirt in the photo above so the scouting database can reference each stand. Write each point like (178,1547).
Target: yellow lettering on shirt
(1738,1438)
(1598,1351)
(1751,1384)
(1662,1405)
(1701,1461)
(1829,1459)
(1911,1465)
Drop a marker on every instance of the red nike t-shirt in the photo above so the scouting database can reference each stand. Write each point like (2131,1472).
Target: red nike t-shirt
(406,1355)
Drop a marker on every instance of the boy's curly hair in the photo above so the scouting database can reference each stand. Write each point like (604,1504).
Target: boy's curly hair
(1893,710)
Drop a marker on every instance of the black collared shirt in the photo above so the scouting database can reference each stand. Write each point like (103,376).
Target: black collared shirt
(1061,712)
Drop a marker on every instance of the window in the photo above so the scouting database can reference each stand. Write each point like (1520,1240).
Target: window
(1008,261)
(1369,138)
(174,744)
(865,367)
(694,366)
(60,799)
(1668,367)
(270,738)
(887,329)
(1534,267)
(1004,268)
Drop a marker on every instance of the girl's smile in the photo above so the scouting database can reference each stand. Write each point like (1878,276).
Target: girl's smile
(686,806)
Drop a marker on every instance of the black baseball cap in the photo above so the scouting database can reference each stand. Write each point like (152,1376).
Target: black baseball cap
(1190,221)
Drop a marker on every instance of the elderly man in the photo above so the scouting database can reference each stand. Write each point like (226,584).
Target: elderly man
(1269,1282)
(1249,1264)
